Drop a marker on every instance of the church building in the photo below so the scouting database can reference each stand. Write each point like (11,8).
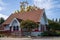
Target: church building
(12,23)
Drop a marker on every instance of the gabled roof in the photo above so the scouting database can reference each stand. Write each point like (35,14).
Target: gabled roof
(34,15)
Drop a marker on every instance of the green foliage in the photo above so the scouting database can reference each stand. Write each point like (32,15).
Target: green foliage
(29,8)
(22,10)
(53,29)
(56,20)
(45,34)
(15,12)
(18,11)
(1,20)
(53,25)
(49,33)
(59,20)
(29,24)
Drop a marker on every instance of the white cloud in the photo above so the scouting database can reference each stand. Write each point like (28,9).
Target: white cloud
(48,5)
(2,3)
(1,8)
(4,16)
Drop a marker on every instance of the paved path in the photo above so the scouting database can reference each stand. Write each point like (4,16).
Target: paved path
(51,38)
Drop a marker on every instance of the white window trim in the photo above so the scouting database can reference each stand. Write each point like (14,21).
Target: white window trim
(12,22)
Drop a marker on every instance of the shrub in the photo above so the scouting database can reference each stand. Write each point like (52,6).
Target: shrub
(49,33)
(44,33)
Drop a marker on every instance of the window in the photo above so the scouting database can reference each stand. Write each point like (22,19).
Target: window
(15,28)
(42,27)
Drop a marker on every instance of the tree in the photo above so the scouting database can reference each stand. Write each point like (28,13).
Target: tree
(1,20)
(18,11)
(29,8)
(28,24)
(15,12)
(54,25)
(56,20)
(53,29)
(59,20)
(23,6)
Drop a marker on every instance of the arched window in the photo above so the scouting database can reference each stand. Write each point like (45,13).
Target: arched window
(16,28)
(15,25)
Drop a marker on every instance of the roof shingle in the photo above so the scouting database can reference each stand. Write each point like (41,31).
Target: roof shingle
(34,15)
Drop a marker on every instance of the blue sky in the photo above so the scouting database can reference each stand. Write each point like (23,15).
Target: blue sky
(52,7)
